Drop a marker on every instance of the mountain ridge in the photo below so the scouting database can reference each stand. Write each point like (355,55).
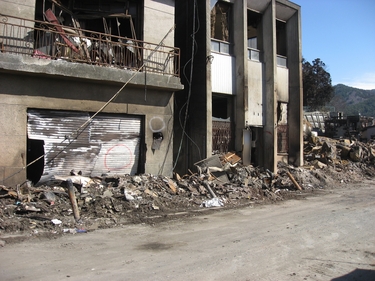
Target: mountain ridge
(353,101)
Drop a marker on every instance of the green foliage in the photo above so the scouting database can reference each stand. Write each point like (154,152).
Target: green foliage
(317,84)
(353,101)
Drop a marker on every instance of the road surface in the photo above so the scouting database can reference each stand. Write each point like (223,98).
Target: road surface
(325,237)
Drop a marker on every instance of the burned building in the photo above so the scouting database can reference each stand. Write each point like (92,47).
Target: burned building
(86,86)
(241,64)
(338,126)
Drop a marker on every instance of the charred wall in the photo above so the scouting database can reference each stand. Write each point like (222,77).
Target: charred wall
(197,142)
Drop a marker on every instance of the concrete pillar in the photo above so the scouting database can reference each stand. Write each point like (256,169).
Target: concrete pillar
(13,120)
(270,98)
(208,136)
(240,53)
(197,142)
(295,110)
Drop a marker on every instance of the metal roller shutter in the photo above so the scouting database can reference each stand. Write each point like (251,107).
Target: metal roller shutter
(110,143)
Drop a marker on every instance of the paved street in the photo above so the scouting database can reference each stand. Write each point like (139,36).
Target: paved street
(326,237)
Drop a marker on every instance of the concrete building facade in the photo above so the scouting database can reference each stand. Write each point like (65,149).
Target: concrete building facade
(241,62)
(86,86)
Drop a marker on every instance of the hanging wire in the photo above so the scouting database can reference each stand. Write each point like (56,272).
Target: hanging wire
(189,81)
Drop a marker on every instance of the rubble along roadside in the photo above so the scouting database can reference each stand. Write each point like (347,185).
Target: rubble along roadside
(47,210)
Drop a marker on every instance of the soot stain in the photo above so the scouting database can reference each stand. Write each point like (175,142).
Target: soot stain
(155,246)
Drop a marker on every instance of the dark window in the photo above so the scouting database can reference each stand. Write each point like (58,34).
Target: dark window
(221,27)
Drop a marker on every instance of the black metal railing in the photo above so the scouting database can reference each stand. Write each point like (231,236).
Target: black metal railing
(46,40)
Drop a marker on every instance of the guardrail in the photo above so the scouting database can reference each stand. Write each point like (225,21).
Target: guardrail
(46,40)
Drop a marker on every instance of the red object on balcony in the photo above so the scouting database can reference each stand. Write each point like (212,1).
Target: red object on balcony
(52,19)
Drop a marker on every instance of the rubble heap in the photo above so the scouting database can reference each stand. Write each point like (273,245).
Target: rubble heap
(111,201)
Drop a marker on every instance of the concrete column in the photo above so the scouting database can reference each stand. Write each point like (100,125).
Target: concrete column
(240,51)
(13,120)
(197,138)
(208,136)
(295,110)
(270,98)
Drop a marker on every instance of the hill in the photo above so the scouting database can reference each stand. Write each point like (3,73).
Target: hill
(353,101)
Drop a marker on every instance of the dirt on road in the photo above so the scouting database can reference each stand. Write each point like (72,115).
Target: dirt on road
(325,237)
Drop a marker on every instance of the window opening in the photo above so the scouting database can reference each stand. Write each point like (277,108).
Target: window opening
(281,43)
(118,18)
(254,21)
(282,127)
(222,140)
(221,22)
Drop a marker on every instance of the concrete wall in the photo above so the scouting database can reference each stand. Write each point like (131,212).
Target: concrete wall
(256,90)
(158,20)
(44,84)
(282,84)
(258,86)
(18,8)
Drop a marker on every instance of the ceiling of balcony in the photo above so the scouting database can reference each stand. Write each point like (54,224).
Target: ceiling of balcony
(284,9)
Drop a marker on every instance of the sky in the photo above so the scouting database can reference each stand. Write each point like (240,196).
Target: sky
(342,34)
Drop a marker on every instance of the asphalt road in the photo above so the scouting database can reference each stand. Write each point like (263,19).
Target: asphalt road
(325,237)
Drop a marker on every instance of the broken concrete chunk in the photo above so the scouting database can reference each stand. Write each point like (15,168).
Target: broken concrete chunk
(137,179)
(214,202)
(107,193)
(345,150)
(154,207)
(56,221)
(31,208)
(319,165)
(128,195)
(329,150)
(49,196)
(356,153)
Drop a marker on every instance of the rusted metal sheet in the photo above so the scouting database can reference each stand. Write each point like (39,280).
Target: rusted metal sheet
(109,144)
(52,19)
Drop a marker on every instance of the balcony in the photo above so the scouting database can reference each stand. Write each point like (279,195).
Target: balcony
(48,40)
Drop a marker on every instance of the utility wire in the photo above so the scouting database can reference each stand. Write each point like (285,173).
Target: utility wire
(189,81)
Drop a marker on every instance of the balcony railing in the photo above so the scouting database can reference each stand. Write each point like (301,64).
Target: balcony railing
(45,40)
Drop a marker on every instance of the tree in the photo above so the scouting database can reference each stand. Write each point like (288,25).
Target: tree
(317,84)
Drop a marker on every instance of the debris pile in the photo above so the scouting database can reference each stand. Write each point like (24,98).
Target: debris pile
(76,204)
(341,155)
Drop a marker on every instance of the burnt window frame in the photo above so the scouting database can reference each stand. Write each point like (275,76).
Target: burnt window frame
(254,21)
(220,44)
